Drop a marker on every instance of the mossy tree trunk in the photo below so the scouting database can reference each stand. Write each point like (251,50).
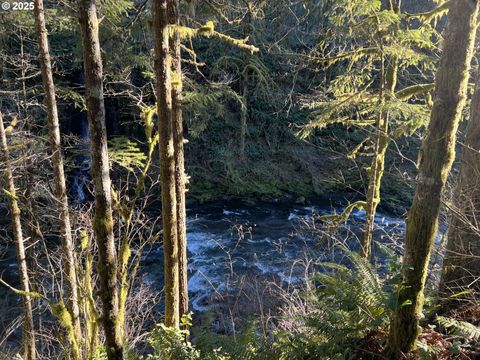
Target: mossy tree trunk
(180,176)
(435,161)
(103,219)
(377,167)
(58,169)
(28,330)
(461,267)
(163,76)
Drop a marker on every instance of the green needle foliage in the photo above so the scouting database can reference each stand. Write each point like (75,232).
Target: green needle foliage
(365,49)
(372,36)
(126,153)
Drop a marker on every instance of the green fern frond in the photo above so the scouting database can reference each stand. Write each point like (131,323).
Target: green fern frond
(460,328)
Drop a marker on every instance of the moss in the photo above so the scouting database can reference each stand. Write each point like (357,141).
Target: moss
(103,224)
(337,219)
(208,30)
(436,159)
(84,240)
(12,125)
(60,311)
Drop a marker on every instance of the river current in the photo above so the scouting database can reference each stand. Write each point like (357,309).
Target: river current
(267,240)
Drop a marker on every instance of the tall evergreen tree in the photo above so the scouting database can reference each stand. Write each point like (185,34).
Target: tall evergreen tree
(103,219)
(58,169)
(380,41)
(435,161)
(387,93)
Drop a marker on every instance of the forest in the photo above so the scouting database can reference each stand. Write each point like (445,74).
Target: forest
(239,179)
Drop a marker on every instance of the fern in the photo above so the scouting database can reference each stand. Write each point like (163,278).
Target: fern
(460,328)
(350,300)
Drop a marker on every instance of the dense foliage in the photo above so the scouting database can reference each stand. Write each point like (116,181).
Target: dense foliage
(287,102)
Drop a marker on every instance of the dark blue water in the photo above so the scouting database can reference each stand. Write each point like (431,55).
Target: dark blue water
(267,240)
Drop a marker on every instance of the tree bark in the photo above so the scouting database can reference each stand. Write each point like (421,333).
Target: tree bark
(103,219)
(28,330)
(461,267)
(31,210)
(163,65)
(435,161)
(180,176)
(244,109)
(58,170)
(244,85)
(377,167)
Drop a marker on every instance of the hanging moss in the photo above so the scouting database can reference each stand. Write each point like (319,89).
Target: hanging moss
(208,30)
(60,311)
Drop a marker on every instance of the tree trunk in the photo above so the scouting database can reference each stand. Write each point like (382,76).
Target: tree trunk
(244,108)
(28,331)
(31,210)
(58,169)
(435,161)
(375,180)
(244,88)
(377,166)
(461,267)
(163,64)
(103,220)
(180,176)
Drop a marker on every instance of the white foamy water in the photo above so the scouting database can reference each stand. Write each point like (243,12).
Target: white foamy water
(268,246)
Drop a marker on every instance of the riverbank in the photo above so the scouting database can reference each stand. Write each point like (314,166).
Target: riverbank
(290,170)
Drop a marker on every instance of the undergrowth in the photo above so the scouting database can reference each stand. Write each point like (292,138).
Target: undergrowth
(346,316)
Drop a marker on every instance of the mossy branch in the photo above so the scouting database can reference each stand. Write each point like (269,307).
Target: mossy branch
(208,30)
(32,294)
(353,154)
(433,14)
(59,310)
(12,125)
(413,90)
(353,56)
(147,115)
(87,299)
(337,219)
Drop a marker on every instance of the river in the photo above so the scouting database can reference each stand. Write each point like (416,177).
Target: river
(265,240)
